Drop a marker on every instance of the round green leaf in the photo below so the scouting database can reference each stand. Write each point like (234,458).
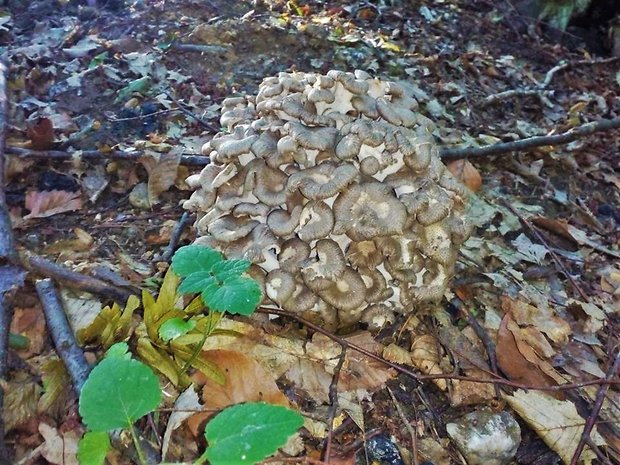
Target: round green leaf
(193,258)
(93,448)
(175,327)
(247,433)
(230,268)
(197,282)
(237,295)
(117,392)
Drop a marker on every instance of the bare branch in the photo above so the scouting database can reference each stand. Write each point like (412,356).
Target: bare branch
(531,142)
(96,155)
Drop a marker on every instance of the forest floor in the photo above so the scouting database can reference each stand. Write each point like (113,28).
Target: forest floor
(104,103)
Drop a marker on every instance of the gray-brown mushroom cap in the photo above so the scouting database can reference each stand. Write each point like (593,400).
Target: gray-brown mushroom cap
(365,211)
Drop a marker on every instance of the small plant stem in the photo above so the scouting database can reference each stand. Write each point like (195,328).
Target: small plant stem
(208,331)
(137,446)
(202,459)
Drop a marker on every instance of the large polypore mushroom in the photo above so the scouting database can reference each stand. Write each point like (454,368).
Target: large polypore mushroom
(332,186)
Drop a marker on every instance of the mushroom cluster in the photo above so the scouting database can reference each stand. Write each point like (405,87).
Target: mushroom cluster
(331,185)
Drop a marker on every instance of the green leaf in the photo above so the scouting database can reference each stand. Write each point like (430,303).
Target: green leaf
(247,433)
(120,350)
(93,448)
(174,328)
(117,392)
(230,268)
(138,85)
(237,294)
(193,258)
(197,282)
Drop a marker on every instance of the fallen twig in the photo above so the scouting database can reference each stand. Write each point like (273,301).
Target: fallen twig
(70,278)
(540,89)
(200,48)
(531,142)
(489,345)
(189,113)
(596,408)
(570,64)
(333,404)
(177,232)
(62,334)
(8,256)
(410,429)
(555,257)
(96,155)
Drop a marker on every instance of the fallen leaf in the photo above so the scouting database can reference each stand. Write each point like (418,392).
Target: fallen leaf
(246,381)
(425,357)
(41,134)
(59,449)
(545,319)
(43,204)
(184,407)
(556,422)
(30,322)
(162,171)
(81,243)
(512,362)
(467,173)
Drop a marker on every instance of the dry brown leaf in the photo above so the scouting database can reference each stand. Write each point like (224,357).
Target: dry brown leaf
(467,173)
(162,169)
(59,448)
(47,203)
(554,327)
(81,243)
(425,357)
(41,134)
(556,422)
(511,360)
(30,322)
(246,381)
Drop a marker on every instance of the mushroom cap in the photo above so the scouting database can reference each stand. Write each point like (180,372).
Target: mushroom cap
(346,292)
(368,210)
(316,221)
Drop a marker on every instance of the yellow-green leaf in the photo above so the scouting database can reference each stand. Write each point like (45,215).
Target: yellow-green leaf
(55,382)
(160,361)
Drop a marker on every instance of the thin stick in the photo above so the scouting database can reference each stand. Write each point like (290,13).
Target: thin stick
(412,432)
(8,256)
(185,110)
(555,257)
(62,334)
(96,155)
(175,237)
(531,142)
(70,278)
(596,408)
(333,404)
(489,346)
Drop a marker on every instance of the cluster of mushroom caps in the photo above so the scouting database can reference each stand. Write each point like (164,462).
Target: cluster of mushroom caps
(331,185)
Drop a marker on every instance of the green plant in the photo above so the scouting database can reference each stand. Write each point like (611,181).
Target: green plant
(170,336)
(120,390)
